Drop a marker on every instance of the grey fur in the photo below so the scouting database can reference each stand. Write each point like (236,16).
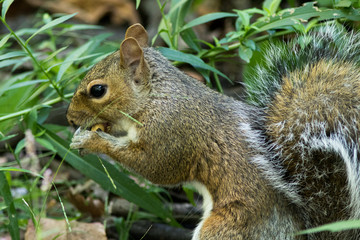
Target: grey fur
(327,130)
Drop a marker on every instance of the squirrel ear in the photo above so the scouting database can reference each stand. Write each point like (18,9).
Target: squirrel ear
(132,57)
(138,32)
(131,53)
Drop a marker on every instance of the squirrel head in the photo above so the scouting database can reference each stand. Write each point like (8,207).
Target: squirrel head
(116,85)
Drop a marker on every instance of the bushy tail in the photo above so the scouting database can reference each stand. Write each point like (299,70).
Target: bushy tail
(309,91)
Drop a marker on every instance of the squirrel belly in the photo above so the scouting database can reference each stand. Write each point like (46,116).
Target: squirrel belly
(311,123)
(284,162)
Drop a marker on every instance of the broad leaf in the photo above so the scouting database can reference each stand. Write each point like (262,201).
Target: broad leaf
(245,53)
(190,38)
(207,18)
(271,6)
(194,61)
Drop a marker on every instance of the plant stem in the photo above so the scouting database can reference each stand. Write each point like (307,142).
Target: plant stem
(166,24)
(217,80)
(234,46)
(22,112)
(27,50)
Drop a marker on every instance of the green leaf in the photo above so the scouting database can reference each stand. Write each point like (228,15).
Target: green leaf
(20,146)
(189,191)
(4,138)
(291,16)
(91,167)
(12,55)
(245,53)
(14,169)
(333,227)
(45,143)
(5,192)
(189,37)
(343,3)
(253,11)
(137,3)
(52,55)
(194,61)
(207,18)
(243,20)
(5,7)
(4,39)
(50,25)
(26,83)
(9,62)
(250,44)
(77,27)
(177,13)
(206,75)
(271,6)
(75,55)
(70,59)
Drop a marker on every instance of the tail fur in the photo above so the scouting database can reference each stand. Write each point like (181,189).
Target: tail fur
(309,92)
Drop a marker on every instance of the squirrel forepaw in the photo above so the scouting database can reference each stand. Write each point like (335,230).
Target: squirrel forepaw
(83,140)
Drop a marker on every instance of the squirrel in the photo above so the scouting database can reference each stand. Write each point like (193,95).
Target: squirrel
(282,161)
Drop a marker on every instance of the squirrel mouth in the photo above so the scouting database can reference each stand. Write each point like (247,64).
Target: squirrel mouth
(104,127)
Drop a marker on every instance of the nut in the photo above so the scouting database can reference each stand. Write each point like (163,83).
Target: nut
(98,127)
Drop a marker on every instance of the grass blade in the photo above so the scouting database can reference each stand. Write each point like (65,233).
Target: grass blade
(25,84)
(12,55)
(50,25)
(14,169)
(10,207)
(333,227)
(5,39)
(137,3)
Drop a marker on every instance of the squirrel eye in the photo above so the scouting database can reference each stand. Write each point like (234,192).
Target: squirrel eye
(98,90)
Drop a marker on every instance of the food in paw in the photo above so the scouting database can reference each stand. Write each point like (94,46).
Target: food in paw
(98,127)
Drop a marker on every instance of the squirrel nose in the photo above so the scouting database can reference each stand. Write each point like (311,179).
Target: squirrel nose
(72,123)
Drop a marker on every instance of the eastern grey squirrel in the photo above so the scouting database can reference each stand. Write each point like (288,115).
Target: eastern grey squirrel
(285,161)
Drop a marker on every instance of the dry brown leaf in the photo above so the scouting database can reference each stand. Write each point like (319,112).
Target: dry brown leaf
(51,228)
(92,11)
(5,237)
(94,207)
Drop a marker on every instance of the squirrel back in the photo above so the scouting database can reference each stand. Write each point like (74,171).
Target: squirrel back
(309,93)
